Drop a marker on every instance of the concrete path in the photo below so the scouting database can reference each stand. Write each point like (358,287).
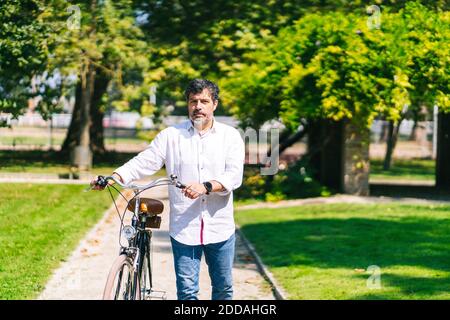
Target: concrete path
(84,274)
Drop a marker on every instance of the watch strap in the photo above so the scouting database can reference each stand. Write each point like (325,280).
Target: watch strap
(208,187)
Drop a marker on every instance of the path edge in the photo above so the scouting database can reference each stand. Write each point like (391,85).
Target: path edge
(83,242)
(277,290)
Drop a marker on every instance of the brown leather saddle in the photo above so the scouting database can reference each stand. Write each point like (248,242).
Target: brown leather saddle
(150,206)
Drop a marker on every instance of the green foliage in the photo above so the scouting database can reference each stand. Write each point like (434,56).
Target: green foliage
(25,41)
(296,181)
(140,43)
(109,39)
(332,65)
(58,40)
(147,135)
(253,184)
(214,39)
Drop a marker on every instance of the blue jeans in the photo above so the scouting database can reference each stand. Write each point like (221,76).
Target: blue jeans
(219,258)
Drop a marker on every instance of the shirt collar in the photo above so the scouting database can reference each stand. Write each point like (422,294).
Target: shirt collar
(213,129)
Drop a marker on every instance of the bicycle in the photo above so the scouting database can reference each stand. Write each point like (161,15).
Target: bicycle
(130,277)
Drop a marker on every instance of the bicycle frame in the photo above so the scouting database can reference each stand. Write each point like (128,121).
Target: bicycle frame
(139,243)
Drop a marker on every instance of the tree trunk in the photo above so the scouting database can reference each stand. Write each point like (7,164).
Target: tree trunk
(73,133)
(339,154)
(413,135)
(443,152)
(384,132)
(393,131)
(87,118)
(355,159)
(325,151)
(287,139)
(96,114)
(81,154)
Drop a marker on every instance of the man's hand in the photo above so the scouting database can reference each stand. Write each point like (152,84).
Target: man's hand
(95,186)
(194,190)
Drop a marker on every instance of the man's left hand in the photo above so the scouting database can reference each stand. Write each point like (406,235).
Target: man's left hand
(194,190)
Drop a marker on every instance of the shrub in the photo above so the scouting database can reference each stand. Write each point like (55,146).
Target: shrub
(296,181)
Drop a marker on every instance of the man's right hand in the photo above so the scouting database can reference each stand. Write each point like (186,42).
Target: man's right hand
(95,186)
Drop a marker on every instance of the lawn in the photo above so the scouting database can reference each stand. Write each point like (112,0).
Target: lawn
(40,225)
(414,169)
(43,141)
(46,162)
(324,251)
(51,162)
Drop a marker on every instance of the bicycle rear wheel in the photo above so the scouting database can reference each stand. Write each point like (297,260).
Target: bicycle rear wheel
(122,282)
(145,278)
(145,270)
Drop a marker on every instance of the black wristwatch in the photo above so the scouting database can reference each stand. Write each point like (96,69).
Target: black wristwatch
(208,186)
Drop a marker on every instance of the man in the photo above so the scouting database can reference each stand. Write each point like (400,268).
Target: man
(208,157)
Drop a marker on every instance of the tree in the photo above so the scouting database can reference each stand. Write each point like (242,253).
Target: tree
(332,66)
(107,53)
(416,46)
(213,38)
(25,42)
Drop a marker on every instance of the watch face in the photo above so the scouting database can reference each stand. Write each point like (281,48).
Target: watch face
(208,186)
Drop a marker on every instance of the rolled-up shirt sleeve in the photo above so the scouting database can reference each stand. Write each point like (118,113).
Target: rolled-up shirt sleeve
(147,162)
(231,178)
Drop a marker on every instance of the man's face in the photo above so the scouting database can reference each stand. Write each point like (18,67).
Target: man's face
(201,108)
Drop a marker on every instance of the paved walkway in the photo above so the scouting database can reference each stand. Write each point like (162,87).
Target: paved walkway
(84,274)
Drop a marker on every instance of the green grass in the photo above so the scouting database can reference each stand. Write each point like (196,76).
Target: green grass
(40,225)
(56,141)
(417,169)
(47,162)
(323,251)
(26,141)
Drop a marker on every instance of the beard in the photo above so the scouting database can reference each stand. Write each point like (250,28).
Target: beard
(199,122)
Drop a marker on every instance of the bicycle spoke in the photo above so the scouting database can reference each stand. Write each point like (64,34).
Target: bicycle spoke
(119,282)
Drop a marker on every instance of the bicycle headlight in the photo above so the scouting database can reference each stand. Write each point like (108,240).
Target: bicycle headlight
(128,232)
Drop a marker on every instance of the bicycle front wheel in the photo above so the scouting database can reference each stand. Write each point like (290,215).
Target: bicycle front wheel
(145,277)
(122,282)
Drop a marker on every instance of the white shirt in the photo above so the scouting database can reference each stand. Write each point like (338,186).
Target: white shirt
(217,155)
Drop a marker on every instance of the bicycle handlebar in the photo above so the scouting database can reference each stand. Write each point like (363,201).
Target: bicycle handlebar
(103,182)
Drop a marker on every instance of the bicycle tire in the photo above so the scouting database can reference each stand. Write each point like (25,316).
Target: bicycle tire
(144,278)
(111,290)
(144,265)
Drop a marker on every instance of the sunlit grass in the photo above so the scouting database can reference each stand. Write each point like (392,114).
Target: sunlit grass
(324,251)
(40,225)
(414,169)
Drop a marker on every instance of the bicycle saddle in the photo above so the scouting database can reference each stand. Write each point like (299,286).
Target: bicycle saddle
(148,205)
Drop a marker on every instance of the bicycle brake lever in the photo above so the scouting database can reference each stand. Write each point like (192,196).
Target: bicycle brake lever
(178,184)
(101,181)
(88,189)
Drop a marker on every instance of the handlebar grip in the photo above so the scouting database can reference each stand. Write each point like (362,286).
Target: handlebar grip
(180,185)
(101,181)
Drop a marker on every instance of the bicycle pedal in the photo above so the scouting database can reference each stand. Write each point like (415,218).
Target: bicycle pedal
(156,295)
